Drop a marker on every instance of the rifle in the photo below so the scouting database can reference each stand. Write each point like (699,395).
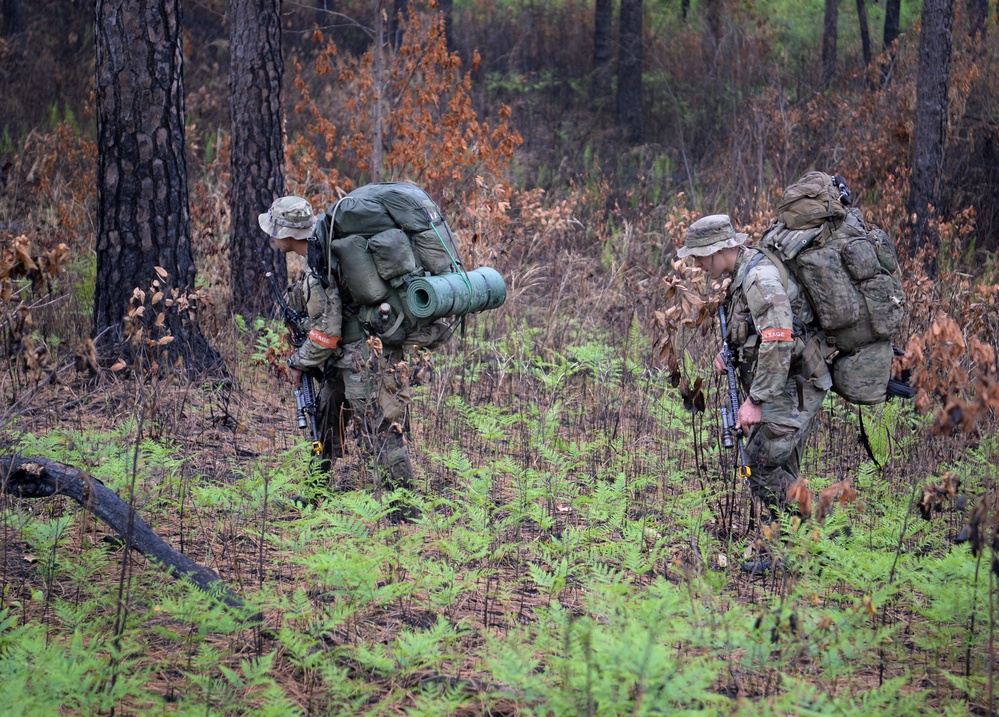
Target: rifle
(731,436)
(305,395)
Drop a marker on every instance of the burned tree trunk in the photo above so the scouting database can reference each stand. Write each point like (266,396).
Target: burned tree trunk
(257,156)
(143,218)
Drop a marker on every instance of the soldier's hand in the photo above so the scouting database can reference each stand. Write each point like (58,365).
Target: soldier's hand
(296,376)
(749,415)
(720,363)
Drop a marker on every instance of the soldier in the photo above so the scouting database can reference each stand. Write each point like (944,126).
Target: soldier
(359,378)
(768,325)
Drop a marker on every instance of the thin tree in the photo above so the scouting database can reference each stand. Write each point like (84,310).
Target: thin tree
(930,132)
(13,17)
(143,220)
(865,33)
(629,70)
(603,48)
(978,15)
(892,12)
(257,156)
(829,29)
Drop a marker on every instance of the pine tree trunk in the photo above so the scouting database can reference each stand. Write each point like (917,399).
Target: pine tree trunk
(376,112)
(865,33)
(603,48)
(930,133)
(629,70)
(257,153)
(892,10)
(829,29)
(13,17)
(143,220)
(978,15)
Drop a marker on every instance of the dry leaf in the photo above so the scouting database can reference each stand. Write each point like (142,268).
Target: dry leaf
(801,495)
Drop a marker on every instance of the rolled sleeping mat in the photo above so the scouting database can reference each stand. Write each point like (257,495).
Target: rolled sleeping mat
(456,293)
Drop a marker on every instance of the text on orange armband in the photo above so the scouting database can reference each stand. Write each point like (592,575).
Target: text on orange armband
(776,335)
(329,342)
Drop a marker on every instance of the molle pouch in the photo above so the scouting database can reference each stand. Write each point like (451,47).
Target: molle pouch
(885,304)
(436,249)
(359,271)
(829,287)
(860,259)
(813,361)
(884,248)
(862,377)
(392,253)
(295,297)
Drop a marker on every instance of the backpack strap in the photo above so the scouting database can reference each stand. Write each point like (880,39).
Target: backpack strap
(781,269)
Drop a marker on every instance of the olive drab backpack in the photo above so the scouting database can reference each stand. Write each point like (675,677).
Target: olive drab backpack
(848,270)
(386,245)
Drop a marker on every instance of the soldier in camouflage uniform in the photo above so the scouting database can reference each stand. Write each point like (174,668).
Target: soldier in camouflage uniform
(783,376)
(359,378)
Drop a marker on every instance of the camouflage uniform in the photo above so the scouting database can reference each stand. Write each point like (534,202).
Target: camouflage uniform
(768,329)
(779,365)
(360,379)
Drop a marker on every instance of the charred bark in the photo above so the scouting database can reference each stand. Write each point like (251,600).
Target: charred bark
(830,26)
(629,70)
(930,133)
(603,48)
(143,218)
(257,157)
(865,33)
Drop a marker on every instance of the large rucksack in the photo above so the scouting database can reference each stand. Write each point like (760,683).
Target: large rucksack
(384,244)
(847,269)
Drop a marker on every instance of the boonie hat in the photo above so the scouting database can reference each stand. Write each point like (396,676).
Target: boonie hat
(288,217)
(710,234)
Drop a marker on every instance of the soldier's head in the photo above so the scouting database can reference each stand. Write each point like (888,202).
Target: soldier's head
(288,218)
(713,244)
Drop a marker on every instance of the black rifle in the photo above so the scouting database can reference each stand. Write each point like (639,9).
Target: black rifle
(899,387)
(731,436)
(305,395)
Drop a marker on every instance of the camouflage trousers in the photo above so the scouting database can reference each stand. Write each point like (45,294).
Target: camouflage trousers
(368,385)
(775,446)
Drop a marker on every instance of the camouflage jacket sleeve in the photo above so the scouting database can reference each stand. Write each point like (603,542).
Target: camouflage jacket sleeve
(771,311)
(325,318)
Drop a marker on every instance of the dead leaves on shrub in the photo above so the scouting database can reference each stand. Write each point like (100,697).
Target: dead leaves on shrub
(803,497)
(935,495)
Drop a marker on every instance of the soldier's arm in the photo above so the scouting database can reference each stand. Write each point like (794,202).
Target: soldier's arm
(325,312)
(771,310)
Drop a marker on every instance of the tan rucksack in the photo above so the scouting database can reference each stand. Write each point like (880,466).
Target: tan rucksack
(848,271)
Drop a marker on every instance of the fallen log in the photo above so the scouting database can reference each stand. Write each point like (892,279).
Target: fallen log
(40,478)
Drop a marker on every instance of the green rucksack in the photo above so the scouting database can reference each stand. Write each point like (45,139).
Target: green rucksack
(376,242)
(848,270)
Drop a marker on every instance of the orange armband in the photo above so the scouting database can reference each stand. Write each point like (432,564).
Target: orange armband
(768,335)
(328,342)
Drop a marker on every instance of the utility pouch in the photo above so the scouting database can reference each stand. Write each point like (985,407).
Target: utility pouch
(813,359)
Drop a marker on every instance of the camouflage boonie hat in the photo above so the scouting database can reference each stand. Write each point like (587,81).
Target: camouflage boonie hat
(710,234)
(288,217)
